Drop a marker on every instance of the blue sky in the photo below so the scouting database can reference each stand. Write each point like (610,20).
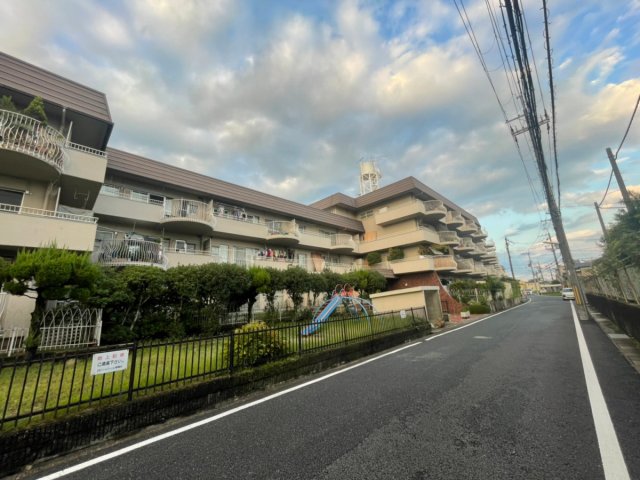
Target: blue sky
(287,96)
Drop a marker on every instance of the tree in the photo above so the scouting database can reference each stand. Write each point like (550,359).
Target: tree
(317,286)
(50,274)
(296,283)
(366,281)
(622,242)
(6,103)
(35,109)
(260,283)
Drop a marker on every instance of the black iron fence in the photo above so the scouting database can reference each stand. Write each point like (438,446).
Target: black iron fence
(55,384)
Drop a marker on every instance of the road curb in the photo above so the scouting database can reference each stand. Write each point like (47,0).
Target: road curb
(628,346)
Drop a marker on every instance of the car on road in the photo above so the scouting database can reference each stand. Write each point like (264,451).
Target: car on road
(567,294)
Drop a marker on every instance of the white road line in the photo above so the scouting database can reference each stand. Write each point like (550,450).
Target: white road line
(612,460)
(149,441)
(178,431)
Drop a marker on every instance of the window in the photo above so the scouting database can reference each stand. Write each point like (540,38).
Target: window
(185,247)
(302,260)
(367,214)
(10,197)
(221,252)
(239,256)
(156,199)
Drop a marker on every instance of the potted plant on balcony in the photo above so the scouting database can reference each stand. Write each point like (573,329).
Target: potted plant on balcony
(395,253)
(35,110)
(6,103)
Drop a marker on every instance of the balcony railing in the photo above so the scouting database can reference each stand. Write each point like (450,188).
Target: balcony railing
(128,194)
(465,265)
(454,219)
(129,252)
(85,149)
(449,238)
(24,134)
(435,206)
(444,262)
(37,212)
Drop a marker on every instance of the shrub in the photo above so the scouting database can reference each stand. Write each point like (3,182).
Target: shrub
(36,110)
(373,258)
(476,308)
(255,344)
(395,253)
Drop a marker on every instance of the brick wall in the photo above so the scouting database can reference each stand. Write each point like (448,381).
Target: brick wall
(427,279)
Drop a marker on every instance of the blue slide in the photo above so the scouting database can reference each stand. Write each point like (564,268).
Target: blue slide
(323,315)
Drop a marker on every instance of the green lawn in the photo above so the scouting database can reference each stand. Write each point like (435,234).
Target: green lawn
(59,385)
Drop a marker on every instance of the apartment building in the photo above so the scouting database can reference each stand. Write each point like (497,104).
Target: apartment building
(59,183)
(427,233)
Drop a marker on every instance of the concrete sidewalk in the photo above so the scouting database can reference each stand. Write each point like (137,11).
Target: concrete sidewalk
(629,347)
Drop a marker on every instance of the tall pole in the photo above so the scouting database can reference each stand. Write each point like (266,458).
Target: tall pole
(533,273)
(555,257)
(541,272)
(604,229)
(506,242)
(621,185)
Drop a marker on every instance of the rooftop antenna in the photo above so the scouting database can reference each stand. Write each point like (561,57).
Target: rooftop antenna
(370,175)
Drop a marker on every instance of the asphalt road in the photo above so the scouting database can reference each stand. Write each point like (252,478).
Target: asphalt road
(503,398)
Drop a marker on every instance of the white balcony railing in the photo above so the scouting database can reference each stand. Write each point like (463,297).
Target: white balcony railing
(129,252)
(285,228)
(190,210)
(342,240)
(85,149)
(24,134)
(128,194)
(37,212)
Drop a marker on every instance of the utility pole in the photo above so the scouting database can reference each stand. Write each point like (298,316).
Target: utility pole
(604,229)
(541,272)
(514,16)
(506,242)
(555,257)
(533,273)
(621,185)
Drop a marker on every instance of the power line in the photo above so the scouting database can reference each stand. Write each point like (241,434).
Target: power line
(553,100)
(635,109)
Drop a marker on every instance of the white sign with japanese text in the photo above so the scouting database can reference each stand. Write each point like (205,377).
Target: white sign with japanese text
(107,362)
(403,314)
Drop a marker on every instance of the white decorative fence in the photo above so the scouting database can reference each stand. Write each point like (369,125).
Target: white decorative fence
(12,340)
(71,327)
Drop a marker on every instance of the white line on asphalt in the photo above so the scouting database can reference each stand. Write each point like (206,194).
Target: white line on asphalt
(432,337)
(149,441)
(612,460)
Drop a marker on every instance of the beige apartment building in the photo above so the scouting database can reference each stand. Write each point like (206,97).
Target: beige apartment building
(59,183)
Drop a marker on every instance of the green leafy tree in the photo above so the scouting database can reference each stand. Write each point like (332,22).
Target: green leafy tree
(366,281)
(622,242)
(6,103)
(495,287)
(332,279)
(296,283)
(223,284)
(50,274)
(260,284)
(35,109)
(317,286)
(277,283)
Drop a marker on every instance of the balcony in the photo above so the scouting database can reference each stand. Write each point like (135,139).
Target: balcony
(454,219)
(478,250)
(449,238)
(423,263)
(481,234)
(466,245)
(444,263)
(36,149)
(342,243)
(25,227)
(430,210)
(314,241)
(411,237)
(241,228)
(283,233)
(128,252)
(465,265)
(467,229)
(188,216)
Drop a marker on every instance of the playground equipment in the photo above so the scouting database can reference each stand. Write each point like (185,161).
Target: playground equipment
(344,295)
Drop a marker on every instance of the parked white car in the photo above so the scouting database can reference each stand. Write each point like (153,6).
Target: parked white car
(567,294)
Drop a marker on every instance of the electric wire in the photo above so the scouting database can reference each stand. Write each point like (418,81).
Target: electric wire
(615,156)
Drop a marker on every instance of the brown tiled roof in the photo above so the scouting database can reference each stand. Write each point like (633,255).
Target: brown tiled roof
(386,193)
(153,171)
(24,77)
